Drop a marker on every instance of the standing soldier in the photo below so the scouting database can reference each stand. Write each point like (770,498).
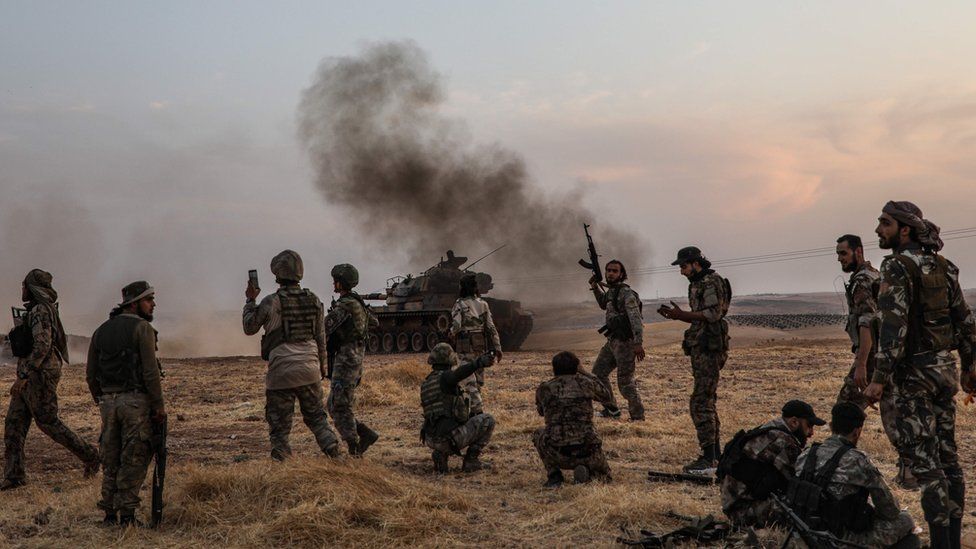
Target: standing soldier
(706,341)
(124,379)
(449,426)
(862,327)
(347,325)
(624,330)
(34,395)
(474,333)
(293,319)
(569,441)
(923,318)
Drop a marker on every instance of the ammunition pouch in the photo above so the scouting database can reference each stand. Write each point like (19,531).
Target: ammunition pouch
(471,342)
(714,337)
(271,340)
(930,319)
(618,328)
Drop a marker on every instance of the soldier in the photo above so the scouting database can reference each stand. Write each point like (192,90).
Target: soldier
(449,426)
(625,340)
(706,341)
(473,332)
(34,395)
(759,462)
(862,327)
(923,318)
(347,326)
(568,441)
(846,479)
(294,345)
(124,379)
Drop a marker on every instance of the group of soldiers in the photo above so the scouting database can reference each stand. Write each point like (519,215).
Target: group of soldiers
(904,321)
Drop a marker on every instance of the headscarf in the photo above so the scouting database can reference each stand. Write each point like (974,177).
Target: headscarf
(909,214)
(41,293)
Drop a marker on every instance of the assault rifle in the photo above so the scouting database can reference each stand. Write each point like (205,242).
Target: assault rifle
(158,440)
(813,538)
(594,263)
(659,476)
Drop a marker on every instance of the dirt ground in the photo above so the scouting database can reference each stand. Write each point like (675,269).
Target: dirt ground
(223,489)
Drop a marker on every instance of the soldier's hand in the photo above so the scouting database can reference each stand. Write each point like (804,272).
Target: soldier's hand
(18,387)
(251,292)
(593,282)
(874,392)
(861,376)
(968,381)
(639,352)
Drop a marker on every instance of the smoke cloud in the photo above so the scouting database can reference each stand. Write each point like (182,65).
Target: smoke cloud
(412,182)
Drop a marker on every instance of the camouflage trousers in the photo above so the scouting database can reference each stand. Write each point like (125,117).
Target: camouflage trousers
(758,514)
(38,402)
(706,368)
(473,435)
(884,533)
(279,409)
(927,436)
(472,384)
(555,458)
(849,392)
(126,449)
(347,372)
(619,355)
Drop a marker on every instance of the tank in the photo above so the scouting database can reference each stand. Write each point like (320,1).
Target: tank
(417,310)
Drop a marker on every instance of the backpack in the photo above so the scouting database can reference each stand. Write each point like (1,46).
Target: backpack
(21,340)
(929,314)
(761,478)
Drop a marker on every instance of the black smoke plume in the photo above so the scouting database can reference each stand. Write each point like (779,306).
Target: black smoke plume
(410,177)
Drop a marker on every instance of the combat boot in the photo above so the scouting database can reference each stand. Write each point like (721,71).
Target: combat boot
(8,484)
(610,412)
(471,462)
(581,475)
(705,464)
(367,437)
(353,445)
(111,519)
(125,521)
(333,451)
(554,480)
(440,462)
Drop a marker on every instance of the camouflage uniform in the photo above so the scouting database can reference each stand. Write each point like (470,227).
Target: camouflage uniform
(856,474)
(776,447)
(124,378)
(569,440)
(621,303)
(38,401)
(346,322)
(295,366)
(474,332)
(707,343)
(925,382)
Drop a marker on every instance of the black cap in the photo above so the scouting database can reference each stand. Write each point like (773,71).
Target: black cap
(847,412)
(687,255)
(800,409)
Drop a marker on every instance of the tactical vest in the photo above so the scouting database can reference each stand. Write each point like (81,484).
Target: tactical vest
(930,329)
(119,364)
(299,310)
(619,327)
(356,327)
(439,405)
(761,478)
(808,496)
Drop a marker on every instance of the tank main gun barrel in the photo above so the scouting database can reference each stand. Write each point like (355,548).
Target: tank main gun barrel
(375,296)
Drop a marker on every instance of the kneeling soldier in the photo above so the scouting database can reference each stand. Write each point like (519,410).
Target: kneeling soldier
(569,441)
(448,429)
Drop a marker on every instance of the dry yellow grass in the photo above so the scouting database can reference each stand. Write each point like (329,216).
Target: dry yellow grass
(223,490)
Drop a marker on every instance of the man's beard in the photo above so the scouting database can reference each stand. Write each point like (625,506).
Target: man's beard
(800,435)
(851,267)
(145,316)
(884,243)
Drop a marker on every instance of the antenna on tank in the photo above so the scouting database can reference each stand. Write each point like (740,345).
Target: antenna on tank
(484,256)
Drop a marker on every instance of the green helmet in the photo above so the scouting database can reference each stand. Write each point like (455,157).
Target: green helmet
(346,274)
(442,355)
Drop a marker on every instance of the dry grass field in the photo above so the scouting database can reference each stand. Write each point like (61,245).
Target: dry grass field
(223,490)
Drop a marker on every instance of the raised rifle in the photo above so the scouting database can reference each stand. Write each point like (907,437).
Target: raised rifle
(594,263)
(331,348)
(158,441)
(660,476)
(813,538)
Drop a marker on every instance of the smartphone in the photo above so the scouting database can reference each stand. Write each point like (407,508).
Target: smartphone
(252,278)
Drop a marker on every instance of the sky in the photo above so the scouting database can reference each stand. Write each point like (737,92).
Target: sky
(159,141)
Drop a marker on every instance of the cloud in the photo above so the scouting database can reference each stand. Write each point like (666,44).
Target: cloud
(158,105)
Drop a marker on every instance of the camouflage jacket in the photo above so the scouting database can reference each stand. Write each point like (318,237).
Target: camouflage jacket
(45,354)
(471,314)
(862,304)
(707,295)
(621,300)
(566,402)
(347,320)
(894,303)
(776,447)
(854,473)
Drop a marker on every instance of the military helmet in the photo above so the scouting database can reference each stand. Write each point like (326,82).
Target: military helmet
(346,274)
(442,355)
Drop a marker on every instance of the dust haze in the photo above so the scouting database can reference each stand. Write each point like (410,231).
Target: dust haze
(411,181)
